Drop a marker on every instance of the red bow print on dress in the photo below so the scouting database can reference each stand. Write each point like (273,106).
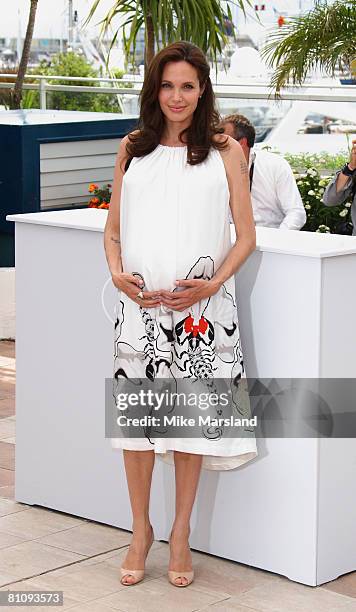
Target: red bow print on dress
(190,327)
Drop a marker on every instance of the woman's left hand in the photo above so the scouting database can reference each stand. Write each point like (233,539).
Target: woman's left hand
(193,290)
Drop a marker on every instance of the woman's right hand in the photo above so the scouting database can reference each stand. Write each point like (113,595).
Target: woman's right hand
(131,284)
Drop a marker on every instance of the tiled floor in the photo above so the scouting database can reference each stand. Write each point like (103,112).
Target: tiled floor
(43,550)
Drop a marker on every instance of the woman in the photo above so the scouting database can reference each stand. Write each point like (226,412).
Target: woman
(343,186)
(168,247)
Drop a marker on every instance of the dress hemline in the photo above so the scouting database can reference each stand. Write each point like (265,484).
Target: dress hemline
(212,461)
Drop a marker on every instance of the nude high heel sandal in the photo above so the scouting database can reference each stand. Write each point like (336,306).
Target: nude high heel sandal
(172,575)
(138,574)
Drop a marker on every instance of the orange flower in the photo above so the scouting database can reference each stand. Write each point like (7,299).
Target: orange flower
(93,202)
(104,205)
(92,187)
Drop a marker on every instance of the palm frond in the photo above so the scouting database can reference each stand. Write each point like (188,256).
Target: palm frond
(323,38)
(198,21)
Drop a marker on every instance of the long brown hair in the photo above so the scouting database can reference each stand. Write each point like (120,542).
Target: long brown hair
(151,123)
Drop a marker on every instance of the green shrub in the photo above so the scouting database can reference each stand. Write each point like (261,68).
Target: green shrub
(321,218)
(71,64)
(324,162)
(313,173)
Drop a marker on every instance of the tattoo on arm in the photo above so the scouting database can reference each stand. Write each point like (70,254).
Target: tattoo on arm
(243,167)
(115,240)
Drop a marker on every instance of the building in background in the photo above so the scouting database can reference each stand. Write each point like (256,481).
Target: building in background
(271,14)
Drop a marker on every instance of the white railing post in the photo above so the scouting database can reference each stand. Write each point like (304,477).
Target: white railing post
(43,97)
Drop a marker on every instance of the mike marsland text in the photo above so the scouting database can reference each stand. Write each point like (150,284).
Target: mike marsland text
(181,421)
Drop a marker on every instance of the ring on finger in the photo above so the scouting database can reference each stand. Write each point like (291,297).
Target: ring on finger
(140,295)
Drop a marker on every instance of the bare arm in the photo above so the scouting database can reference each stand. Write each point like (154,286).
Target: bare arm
(241,212)
(126,282)
(112,243)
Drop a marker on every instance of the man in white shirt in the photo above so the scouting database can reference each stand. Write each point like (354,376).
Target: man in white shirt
(275,197)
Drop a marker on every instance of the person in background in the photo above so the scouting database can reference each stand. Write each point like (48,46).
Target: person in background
(276,200)
(343,185)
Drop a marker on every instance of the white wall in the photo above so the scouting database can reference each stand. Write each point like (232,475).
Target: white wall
(7,303)
(67,168)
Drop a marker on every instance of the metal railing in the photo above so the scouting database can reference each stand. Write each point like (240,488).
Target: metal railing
(319,92)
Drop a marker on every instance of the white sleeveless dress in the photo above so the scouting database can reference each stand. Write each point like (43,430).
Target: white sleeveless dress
(174,224)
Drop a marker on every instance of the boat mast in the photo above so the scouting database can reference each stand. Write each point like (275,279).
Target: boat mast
(70,23)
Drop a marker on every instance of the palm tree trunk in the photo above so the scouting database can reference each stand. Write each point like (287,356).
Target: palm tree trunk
(17,93)
(149,41)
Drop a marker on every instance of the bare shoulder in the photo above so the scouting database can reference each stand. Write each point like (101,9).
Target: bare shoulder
(122,152)
(125,140)
(233,157)
(233,149)
(133,133)
(220,137)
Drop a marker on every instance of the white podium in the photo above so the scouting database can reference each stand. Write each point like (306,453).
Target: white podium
(292,510)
